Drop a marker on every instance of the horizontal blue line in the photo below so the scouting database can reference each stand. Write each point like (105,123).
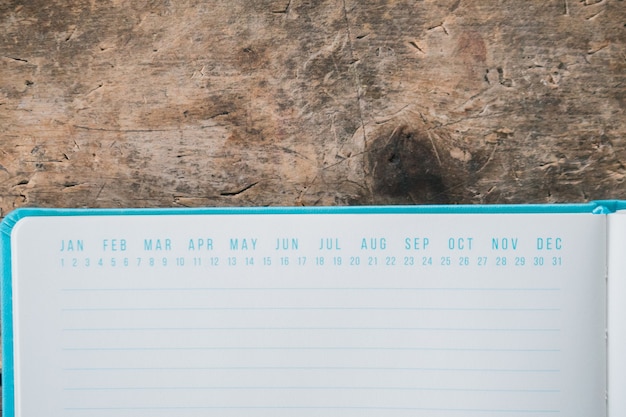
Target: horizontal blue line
(313,368)
(438,329)
(461,410)
(334,388)
(305,348)
(309,309)
(310,289)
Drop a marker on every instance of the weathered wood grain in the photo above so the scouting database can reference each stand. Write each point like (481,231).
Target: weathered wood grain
(189,103)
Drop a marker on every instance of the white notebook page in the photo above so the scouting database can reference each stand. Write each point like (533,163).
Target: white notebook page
(303,315)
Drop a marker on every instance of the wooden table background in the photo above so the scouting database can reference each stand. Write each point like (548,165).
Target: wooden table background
(159,103)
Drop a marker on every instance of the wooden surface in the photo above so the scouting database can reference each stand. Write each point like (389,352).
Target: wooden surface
(310,102)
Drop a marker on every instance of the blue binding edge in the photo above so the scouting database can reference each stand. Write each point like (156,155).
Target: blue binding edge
(11,220)
(604,206)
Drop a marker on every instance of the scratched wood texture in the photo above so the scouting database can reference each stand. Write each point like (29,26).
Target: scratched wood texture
(158,103)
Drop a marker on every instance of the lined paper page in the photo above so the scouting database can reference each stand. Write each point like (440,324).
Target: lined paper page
(307,315)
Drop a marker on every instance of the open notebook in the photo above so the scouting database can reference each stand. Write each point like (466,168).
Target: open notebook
(372,311)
